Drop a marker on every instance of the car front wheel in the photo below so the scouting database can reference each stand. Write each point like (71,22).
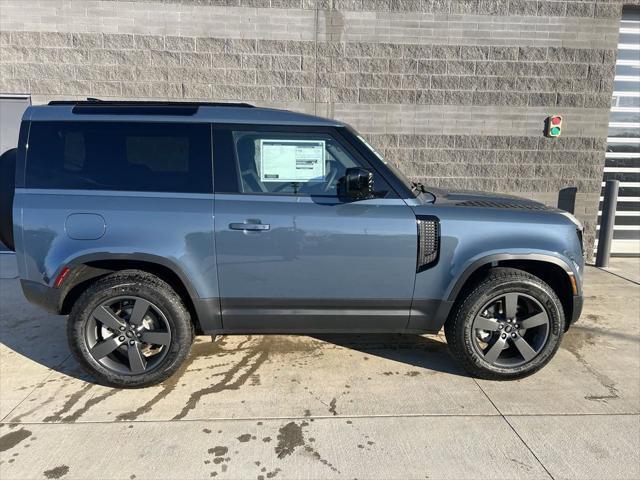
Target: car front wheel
(509,325)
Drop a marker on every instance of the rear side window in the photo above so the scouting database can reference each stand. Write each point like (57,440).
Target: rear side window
(149,157)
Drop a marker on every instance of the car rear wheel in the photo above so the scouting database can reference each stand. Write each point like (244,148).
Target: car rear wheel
(130,329)
(509,325)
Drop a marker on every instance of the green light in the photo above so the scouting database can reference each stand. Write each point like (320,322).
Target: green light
(555,131)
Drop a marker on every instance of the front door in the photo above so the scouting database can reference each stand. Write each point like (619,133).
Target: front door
(292,255)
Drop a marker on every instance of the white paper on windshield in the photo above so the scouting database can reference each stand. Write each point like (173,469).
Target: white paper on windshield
(292,160)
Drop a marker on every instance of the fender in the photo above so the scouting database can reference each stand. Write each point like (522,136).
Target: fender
(454,290)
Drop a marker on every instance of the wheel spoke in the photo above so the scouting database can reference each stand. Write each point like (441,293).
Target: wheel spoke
(140,308)
(511,305)
(156,338)
(104,348)
(137,362)
(534,321)
(524,348)
(105,316)
(492,354)
(482,323)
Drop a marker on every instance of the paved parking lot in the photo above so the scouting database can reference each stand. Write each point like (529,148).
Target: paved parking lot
(347,406)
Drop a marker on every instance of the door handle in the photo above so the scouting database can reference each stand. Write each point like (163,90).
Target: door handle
(254,227)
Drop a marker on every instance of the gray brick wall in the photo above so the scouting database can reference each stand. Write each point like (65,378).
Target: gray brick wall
(455,92)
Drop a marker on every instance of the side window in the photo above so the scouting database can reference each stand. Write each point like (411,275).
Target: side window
(159,154)
(152,157)
(289,162)
(74,152)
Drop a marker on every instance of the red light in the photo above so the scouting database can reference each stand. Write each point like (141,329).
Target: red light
(556,120)
(61,276)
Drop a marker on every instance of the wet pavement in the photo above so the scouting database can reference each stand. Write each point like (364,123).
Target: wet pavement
(340,406)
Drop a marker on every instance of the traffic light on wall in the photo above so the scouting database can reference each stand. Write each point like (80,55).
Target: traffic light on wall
(554,126)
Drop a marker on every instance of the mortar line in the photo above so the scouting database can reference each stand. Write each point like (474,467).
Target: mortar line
(321,417)
(514,430)
(315,61)
(51,372)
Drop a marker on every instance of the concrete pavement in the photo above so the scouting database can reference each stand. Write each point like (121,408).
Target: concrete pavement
(626,267)
(344,406)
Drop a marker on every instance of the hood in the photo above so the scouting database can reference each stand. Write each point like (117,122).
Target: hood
(470,198)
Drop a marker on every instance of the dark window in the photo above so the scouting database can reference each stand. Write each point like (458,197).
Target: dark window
(150,157)
(284,161)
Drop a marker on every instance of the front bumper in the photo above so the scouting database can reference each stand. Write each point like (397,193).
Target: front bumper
(578,303)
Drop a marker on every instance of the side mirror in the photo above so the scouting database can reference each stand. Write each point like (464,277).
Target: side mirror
(357,184)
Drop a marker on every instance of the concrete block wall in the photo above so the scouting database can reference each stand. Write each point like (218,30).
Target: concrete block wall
(455,92)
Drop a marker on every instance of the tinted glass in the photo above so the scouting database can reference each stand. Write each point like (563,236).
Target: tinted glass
(151,157)
(629,131)
(626,86)
(628,54)
(282,161)
(623,147)
(628,70)
(623,101)
(292,163)
(629,116)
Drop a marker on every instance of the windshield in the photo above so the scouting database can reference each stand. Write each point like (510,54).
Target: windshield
(401,176)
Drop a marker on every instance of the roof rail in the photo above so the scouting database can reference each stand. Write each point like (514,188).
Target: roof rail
(147,103)
(94,106)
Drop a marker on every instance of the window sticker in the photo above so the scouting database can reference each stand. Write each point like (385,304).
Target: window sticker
(292,160)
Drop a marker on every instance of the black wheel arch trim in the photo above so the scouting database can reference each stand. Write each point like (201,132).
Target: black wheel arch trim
(489,259)
(83,260)
(207,310)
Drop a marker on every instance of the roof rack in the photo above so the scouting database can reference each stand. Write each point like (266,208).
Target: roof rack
(94,106)
(147,103)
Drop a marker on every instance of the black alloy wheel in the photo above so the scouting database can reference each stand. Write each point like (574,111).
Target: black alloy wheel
(128,335)
(511,330)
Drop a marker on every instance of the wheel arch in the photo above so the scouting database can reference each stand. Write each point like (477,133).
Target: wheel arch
(87,269)
(550,269)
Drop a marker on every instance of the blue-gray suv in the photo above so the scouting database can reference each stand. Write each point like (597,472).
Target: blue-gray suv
(150,222)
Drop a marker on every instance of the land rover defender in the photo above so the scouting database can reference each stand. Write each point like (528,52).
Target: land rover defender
(150,222)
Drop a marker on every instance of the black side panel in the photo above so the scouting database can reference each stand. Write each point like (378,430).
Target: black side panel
(304,315)
(7,190)
(21,160)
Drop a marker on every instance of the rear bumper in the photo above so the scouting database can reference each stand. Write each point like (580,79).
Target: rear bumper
(45,297)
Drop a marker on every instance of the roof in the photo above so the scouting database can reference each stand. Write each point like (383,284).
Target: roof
(189,112)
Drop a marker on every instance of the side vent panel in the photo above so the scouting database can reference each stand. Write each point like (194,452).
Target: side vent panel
(428,242)
(501,204)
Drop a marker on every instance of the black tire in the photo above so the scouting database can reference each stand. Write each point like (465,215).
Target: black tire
(165,307)
(7,191)
(485,303)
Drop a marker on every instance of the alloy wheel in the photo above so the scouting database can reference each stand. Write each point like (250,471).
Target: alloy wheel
(510,330)
(128,335)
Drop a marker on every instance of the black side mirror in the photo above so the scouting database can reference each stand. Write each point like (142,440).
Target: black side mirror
(357,184)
